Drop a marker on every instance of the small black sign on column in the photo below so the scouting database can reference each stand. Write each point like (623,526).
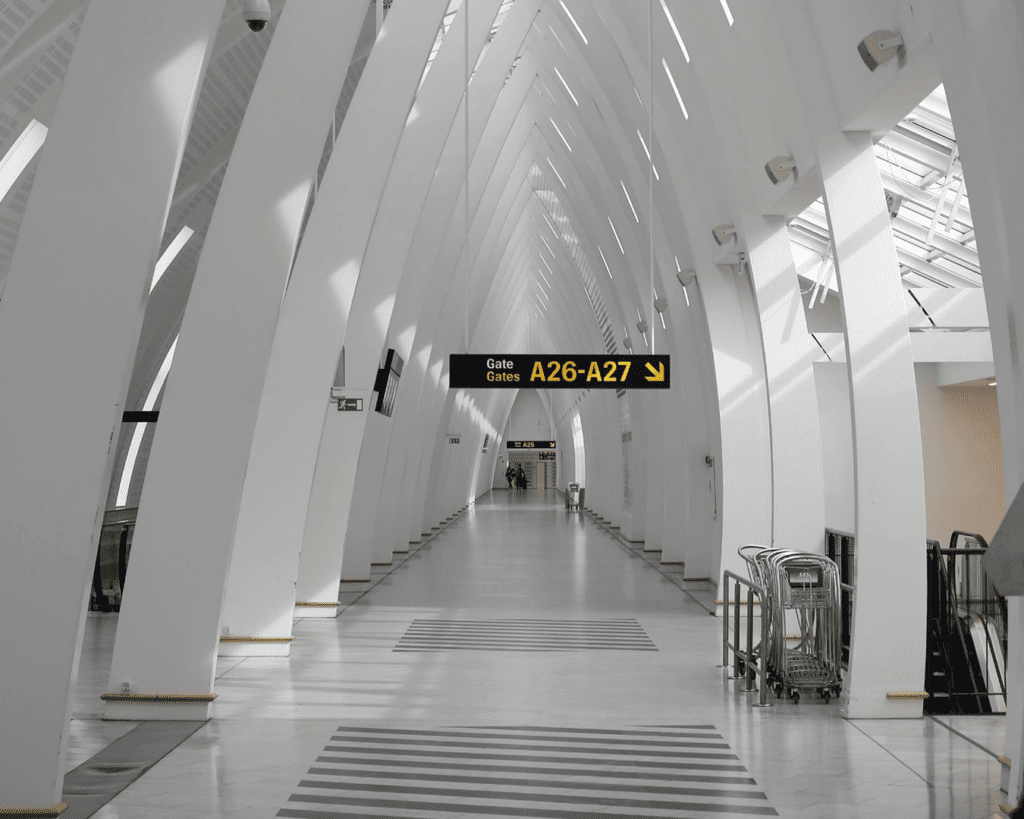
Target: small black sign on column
(386,385)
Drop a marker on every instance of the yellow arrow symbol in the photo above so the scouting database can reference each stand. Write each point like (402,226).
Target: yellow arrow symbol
(656,374)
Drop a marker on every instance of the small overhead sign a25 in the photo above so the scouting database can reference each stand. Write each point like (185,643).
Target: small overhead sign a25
(630,372)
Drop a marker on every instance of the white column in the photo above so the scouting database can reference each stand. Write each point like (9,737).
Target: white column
(69,322)
(887,652)
(380,277)
(208,412)
(980,49)
(744,470)
(797,493)
(291,412)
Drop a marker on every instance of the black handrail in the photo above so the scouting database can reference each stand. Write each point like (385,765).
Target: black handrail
(948,613)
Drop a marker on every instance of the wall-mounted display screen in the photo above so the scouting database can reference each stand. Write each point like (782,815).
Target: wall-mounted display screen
(386,385)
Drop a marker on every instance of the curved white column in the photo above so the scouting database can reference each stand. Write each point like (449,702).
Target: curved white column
(798,520)
(887,652)
(347,516)
(980,48)
(198,461)
(293,405)
(70,319)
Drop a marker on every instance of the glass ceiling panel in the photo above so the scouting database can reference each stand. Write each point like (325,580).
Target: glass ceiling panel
(921,173)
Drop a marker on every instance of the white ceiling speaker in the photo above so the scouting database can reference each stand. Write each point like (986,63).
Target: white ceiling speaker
(661,305)
(893,202)
(686,277)
(642,327)
(256,14)
(881,46)
(723,233)
(627,343)
(780,168)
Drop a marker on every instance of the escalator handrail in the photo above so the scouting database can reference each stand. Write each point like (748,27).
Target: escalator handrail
(949,612)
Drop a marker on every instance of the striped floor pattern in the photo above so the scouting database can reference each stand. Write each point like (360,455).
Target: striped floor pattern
(681,771)
(525,635)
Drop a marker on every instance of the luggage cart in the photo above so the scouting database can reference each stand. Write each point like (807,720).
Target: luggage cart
(807,585)
(572,496)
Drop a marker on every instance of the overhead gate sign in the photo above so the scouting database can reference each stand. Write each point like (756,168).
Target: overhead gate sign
(568,372)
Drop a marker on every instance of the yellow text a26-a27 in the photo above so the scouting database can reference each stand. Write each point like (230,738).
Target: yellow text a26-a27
(613,371)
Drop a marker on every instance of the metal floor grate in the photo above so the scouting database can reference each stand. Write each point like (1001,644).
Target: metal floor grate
(525,635)
(547,772)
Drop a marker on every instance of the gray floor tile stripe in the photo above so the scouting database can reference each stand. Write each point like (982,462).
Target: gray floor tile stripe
(551,729)
(602,771)
(683,766)
(99,779)
(513,639)
(525,620)
(511,810)
(659,754)
(520,648)
(522,796)
(482,735)
(603,749)
(564,784)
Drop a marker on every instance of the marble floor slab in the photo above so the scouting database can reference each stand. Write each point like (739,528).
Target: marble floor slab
(548,608)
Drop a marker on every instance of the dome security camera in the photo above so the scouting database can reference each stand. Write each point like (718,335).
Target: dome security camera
(256,14)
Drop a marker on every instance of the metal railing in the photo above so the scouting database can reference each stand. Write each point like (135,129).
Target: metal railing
(966,596)
(751,669)
(839,547)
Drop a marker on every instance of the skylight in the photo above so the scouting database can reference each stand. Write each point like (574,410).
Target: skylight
(679,97)
(728,13)
(675,30)
(20,154)
(170,254)
(647,151)
(552,164)
(603,259)
(616,234)
(573,21)
(623,184)
(560,134)
(140,429)
(566,86)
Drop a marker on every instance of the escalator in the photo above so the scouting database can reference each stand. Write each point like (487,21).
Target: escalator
(966,646)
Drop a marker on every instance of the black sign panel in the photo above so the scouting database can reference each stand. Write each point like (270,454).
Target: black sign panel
(529,444)
(567,372)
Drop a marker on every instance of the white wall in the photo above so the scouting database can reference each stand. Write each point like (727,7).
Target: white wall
(963,457)
(833,388)
(529,420)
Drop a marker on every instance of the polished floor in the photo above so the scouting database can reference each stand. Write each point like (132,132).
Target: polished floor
(525,662)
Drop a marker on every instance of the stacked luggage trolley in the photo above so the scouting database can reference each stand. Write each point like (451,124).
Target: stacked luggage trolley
(797,590)
(807,585)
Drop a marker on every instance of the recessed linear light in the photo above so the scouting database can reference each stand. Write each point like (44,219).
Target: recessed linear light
(552,272)
(728,13)
(675,30)
(552,164)
(21,153)
(679,97)
(573,21)
(603,259)
(170,254)
(565,85)
(545,241)
(564,140)
(630,201)
(646,151)
(616,234)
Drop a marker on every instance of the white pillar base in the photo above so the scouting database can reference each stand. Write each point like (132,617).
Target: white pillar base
(140,709)
(315,610)
(254,647)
